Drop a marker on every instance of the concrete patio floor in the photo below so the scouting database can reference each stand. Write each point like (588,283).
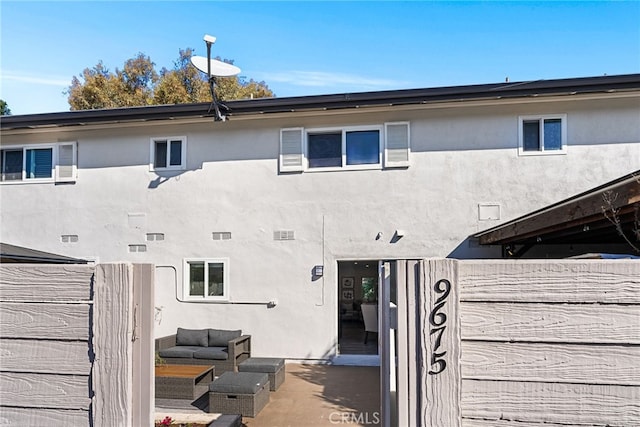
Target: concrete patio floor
(312,395)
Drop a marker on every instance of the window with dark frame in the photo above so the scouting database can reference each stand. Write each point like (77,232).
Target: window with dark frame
(167,153)
(26,163)
(327,149)
(542,134)
(206,279)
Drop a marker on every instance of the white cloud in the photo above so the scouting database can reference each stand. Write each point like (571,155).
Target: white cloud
(34,79)
(327,79)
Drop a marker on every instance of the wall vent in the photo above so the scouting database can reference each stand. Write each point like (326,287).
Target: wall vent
(221,235)
(137,248)
(69,238)
(155,237)
(284,235)
(488,211)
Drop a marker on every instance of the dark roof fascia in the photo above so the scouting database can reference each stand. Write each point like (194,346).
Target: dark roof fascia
(12,253)
(571,86)
(495,235)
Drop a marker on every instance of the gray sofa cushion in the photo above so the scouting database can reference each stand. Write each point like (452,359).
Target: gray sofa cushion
(217,353)
(198,337)
(239,382)
(261,364)
(221,337)
(184,351)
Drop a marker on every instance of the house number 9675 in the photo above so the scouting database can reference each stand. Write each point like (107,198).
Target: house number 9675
(438,321)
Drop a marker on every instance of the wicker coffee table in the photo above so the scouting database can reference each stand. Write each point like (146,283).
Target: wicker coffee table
(183,381)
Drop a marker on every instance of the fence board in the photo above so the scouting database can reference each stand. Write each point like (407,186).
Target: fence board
(550,323)
(553,363)
(21,417)
(477,422)
(440,344)
(112,344)
(62,357)
(551,402)
(34,282)
(594,281)
(143,406)
(56,321)
(44,390)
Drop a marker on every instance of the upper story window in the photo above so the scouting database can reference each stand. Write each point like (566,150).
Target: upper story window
(39,163)
(206,279)
(168,153)
(542,134)
(357,147)
(343,148)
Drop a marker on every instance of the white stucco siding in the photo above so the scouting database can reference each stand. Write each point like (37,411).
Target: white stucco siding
(460,157)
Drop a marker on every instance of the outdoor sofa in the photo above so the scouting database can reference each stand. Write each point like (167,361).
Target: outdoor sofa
(225,349)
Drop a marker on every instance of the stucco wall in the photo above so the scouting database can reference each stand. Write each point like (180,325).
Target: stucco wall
(461,156)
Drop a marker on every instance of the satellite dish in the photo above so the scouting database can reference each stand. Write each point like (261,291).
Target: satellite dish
(214,68)
(218,68)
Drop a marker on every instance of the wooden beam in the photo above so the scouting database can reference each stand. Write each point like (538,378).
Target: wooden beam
(586,209)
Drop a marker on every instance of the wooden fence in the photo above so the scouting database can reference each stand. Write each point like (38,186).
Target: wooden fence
(71,350)
(498,343)
(526,343)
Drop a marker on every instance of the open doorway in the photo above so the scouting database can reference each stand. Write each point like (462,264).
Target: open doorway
(358,307)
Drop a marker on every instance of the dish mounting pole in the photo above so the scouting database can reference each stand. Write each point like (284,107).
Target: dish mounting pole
(209,40)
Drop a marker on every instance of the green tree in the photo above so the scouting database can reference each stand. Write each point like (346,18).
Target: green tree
(4,108)
(139,84)
(184,84)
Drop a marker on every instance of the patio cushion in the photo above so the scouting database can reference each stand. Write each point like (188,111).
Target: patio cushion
(221,337)
(261,364)
(179,351)
(218,353)
(198,337)
(239,382)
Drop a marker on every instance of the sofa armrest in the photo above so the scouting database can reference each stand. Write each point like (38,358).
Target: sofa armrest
(240,348)
(165,342)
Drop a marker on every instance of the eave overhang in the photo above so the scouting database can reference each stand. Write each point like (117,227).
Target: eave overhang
(288,105)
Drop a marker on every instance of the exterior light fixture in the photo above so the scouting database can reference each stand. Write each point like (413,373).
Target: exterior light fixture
(318,270)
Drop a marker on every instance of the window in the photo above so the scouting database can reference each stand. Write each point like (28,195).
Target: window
(206,279)
(39,163)
(344,148)
(168,153)
(542,134)
(358,147)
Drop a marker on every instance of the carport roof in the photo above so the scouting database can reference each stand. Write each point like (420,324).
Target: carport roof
(579,219)
(18,254)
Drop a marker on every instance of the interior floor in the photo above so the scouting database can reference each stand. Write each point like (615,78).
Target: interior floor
(352,336)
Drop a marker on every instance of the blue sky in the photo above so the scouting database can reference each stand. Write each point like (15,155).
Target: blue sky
(306,48)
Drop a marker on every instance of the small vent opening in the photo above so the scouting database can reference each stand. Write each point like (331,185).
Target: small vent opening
(284,235)
(221,235)
(155,237)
